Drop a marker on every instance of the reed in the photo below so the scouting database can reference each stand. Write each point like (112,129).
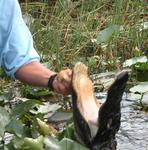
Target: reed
(63,31)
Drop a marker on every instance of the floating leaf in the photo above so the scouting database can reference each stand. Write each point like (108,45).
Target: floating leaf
(61,116)
(23,108)
(145,99)
(106,35)
(141,88)
(134,97)
(48,108)
(138,97)
(133,61)
(4,120)
(15,127)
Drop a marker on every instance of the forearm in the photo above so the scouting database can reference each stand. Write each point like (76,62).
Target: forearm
(34,74)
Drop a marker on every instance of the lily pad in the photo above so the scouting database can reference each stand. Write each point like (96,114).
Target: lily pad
(60,117)
(145,99)
(48,108)
(135,60)
(134,97)
(138,97)
(141,88)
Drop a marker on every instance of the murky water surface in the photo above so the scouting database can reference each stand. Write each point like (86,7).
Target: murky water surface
(133,133)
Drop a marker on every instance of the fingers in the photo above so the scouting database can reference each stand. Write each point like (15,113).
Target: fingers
(65,76)
(62,83)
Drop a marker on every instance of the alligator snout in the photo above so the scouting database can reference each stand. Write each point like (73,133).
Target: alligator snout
(96,124)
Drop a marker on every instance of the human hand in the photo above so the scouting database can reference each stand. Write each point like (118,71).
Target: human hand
(62,82)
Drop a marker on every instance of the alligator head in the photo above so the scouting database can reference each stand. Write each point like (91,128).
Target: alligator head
(96,124)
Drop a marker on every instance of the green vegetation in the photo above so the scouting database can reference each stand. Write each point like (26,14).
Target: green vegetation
(102,34)
(72,30)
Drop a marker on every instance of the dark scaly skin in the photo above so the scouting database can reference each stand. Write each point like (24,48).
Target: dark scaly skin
(110,115)
(108,120)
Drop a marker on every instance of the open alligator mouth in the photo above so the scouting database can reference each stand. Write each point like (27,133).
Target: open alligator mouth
(96,124)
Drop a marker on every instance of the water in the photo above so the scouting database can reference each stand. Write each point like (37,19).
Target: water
(133,133)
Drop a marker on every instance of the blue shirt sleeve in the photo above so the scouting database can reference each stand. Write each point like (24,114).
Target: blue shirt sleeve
(16,43)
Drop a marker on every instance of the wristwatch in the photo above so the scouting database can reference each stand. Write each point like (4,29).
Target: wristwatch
(50,82)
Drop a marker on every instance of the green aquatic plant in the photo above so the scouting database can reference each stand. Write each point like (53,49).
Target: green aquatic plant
(139,66)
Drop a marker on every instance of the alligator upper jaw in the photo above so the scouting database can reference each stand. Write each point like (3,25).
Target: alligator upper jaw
(96,124)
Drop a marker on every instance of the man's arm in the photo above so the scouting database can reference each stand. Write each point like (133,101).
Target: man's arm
(17,54)
(36,74)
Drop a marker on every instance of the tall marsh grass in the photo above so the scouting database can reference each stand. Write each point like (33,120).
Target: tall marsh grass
(65,31)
